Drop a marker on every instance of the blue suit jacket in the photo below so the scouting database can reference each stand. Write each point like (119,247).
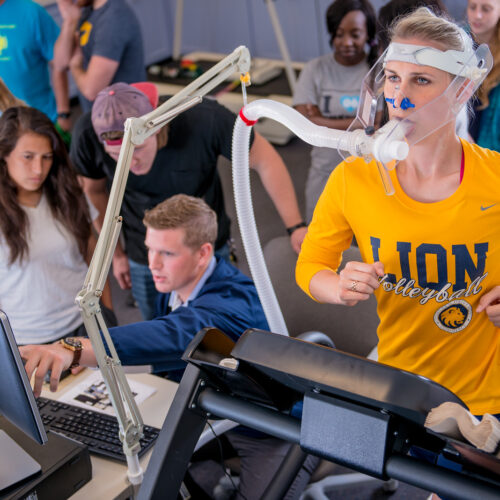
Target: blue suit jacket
(228,300)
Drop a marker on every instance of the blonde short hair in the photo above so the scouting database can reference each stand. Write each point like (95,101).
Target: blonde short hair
(192,214)
(424,24)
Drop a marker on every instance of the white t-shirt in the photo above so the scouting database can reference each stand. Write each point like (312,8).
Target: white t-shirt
(38,295)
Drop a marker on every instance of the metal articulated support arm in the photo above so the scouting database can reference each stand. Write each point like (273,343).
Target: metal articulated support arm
(137,130)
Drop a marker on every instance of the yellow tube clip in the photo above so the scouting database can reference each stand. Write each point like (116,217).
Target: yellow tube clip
(245,79)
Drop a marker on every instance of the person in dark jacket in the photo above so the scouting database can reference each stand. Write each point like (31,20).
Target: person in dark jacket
(196,290)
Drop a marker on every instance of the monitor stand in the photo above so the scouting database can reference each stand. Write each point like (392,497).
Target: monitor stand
(15,464)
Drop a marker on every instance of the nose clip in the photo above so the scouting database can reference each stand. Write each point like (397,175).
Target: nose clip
(405,102)
(404,105)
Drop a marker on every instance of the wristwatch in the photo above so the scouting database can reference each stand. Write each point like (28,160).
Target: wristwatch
(75,345)
(64,115)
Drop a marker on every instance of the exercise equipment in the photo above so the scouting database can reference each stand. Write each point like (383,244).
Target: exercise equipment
(356,412)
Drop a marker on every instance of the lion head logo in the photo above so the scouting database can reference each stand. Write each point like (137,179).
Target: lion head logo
(453,317)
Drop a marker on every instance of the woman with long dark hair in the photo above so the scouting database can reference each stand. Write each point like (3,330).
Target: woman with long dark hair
(45,232)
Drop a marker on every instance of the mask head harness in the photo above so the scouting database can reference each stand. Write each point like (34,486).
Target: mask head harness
(455,62)
(469,68)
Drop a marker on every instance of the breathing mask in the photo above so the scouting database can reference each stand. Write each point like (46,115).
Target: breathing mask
(469,68)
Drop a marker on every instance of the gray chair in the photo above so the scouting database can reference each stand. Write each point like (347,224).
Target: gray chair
(352,329)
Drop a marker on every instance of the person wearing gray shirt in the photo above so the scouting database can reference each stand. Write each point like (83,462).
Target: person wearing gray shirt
(327,91)
(334,89)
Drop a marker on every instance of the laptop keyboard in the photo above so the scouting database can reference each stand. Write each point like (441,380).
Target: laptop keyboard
(98,431)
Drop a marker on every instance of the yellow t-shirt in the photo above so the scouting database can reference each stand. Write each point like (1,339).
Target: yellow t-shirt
(440,258)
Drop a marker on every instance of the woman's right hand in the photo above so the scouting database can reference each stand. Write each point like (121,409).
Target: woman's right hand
(357,281)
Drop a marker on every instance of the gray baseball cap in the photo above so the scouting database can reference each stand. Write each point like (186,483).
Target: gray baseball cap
(114,104)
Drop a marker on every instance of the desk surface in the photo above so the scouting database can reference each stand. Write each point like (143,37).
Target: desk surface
(109,477)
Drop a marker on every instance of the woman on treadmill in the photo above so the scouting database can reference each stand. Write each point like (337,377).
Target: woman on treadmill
(431,251)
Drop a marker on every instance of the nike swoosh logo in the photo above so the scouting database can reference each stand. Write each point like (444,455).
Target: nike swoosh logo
(489,206)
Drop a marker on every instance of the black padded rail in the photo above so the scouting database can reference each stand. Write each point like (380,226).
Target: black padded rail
(307,367)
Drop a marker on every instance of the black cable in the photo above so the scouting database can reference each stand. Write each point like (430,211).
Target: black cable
(222,461)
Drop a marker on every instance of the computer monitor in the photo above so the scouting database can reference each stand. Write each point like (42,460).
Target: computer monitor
(18,405)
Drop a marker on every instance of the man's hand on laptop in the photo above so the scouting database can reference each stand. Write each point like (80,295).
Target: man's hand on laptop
(42,358)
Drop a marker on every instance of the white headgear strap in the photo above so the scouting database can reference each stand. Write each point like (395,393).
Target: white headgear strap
(463,63)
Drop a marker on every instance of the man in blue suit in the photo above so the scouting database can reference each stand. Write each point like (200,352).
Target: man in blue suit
(196,290)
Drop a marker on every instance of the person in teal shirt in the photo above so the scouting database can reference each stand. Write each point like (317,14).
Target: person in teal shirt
(483,17)
(27,37)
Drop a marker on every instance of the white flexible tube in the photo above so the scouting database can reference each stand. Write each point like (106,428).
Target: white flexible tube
(248,228)
(356,142)
(303,128)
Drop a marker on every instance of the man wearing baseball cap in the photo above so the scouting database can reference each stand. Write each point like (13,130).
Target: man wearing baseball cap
(180,158)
